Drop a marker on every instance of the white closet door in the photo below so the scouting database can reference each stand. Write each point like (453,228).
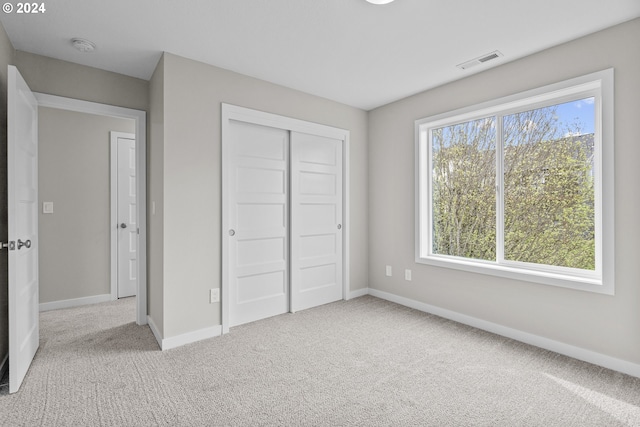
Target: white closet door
(258,222)
(127,227)
(316,220)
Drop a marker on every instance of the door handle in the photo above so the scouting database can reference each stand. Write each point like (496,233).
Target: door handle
(123,225)
(26,244)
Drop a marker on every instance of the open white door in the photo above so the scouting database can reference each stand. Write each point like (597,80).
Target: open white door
(22,169)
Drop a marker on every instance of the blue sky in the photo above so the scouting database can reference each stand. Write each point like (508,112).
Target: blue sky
(583,110)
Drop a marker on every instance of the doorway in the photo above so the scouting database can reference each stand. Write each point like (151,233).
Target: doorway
(23,206)
(284,222)
(138,119)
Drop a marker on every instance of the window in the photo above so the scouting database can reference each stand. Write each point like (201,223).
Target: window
(522,186)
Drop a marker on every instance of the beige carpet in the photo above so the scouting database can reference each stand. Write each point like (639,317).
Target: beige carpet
(363,362)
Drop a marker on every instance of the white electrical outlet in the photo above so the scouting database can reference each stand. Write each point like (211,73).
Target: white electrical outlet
(214,295)
(407,275)
(389,271)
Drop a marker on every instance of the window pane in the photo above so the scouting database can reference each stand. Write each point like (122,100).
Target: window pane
(463,190)
(549,187)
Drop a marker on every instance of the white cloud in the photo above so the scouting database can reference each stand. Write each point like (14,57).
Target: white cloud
(586,101)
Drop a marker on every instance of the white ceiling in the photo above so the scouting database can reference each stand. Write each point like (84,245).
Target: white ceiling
(345,50)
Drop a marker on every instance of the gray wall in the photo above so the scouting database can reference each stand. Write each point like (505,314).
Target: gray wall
(606,324)
(56,77)
(191,189)
(74,174)
(6,58)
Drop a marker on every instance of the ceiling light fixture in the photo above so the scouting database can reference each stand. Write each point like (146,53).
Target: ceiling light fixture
(379,1)
(83,45)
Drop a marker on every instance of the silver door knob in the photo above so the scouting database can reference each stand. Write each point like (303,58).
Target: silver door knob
(26,244)
(339,226)
(232,232)
(123,225)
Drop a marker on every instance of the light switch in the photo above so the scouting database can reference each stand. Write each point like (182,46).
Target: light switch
(214,295)
(47,207)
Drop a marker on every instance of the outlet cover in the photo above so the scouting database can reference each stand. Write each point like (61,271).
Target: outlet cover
(389,271)
(407,275)
(214,295)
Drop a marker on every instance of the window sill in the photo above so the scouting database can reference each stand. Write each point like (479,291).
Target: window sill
(582,283)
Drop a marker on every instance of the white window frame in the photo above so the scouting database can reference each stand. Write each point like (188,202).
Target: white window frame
(598,85)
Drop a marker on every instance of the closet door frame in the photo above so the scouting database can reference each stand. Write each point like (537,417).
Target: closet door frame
(247,115)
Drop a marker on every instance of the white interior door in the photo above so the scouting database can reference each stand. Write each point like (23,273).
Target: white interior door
(258,222)
(22,170)
(316,220)
(126,223)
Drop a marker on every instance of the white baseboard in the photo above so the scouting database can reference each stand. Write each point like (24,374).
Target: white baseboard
(75,302)
(154,330)
(358,293)
(525,337)
(188,338)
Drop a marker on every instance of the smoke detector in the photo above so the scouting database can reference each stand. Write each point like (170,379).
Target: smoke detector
(480,60)
(83,45)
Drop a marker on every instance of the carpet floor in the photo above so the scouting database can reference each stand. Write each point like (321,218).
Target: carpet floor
(364,362)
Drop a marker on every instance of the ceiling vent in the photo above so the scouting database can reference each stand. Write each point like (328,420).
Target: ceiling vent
(480,60)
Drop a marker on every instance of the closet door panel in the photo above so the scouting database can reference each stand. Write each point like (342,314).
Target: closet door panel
(316,220)
(258,223)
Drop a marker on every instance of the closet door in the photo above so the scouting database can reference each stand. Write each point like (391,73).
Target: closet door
(258,222)
(316,220)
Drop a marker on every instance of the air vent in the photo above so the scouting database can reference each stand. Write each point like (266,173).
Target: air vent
(489,57)
(480,60)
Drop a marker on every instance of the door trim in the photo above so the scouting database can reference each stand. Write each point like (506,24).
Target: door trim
(113,183)
(140,118)
(247,115)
